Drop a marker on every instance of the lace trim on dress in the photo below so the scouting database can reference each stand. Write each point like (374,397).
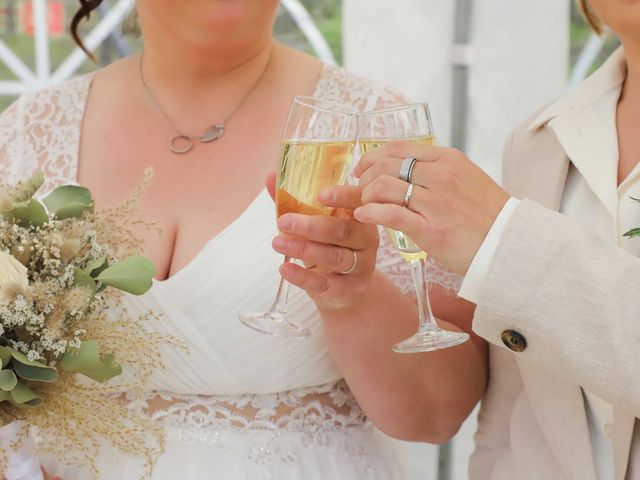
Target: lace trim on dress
(282,425)
(398,270)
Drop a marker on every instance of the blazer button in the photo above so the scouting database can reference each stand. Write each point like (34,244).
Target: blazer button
(514,340)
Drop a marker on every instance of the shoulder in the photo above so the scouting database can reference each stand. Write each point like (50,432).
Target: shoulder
(523,147)
(608,78)
(340,85)
(49,102)
(526,131)
(41,127)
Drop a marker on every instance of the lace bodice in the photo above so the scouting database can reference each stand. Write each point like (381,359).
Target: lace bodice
(313,414)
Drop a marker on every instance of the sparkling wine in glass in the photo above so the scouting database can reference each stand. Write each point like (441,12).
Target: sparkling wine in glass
(317,152)
(409,123)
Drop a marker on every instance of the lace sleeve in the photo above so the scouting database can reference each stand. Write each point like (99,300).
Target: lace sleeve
(8,140)
(394,266)
(42,130)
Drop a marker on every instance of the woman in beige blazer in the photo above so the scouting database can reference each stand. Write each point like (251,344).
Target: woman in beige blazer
(557,294)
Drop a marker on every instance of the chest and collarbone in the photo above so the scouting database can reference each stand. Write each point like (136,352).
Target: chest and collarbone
(193,196)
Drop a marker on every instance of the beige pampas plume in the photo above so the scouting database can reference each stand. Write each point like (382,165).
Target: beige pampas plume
(6,201)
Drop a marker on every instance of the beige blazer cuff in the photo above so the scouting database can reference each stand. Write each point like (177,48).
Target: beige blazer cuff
(572,297)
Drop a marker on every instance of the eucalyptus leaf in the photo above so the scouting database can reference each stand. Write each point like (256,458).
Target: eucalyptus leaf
(82,279)
(4,396)
(5,355)
(69,201)
(31,212)
(87,361)
(23,395)
(635,232)
(133,275)
(27,189)
(32,370)
(8,380)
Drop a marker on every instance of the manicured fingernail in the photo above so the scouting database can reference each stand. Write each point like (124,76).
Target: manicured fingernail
(357,214)
(279,243)
(285,223)
(327,195)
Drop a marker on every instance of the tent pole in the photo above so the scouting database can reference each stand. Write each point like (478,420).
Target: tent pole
(461,59)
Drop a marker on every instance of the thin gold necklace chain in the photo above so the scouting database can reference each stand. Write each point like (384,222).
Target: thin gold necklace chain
(183,143)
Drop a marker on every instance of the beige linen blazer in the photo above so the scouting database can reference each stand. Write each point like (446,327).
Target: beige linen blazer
(572,300)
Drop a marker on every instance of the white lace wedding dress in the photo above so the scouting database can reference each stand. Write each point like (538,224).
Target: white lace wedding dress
(240,405)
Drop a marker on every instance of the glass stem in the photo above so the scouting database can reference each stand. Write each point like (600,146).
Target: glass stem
(279,306)
(425,315)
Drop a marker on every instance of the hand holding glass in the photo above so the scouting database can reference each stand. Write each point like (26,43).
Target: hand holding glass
(317,150)
(409,123)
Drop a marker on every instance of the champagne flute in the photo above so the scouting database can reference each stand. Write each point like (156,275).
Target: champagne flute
(317,151)
(409,123)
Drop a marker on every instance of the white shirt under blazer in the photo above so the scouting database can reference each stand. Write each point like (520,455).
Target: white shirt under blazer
(559,299)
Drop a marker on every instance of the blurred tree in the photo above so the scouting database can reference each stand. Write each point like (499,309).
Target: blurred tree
(580,33)
(327,15)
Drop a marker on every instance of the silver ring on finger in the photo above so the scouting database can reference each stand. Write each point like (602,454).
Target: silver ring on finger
(406,168)
(353,266)
(407,196)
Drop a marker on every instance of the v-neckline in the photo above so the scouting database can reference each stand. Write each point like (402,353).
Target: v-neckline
(191,263)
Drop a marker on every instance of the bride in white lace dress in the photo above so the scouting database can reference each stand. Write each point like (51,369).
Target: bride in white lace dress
(241,405)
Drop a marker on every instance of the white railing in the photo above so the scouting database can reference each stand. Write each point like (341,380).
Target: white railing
(43,74)
(109,25)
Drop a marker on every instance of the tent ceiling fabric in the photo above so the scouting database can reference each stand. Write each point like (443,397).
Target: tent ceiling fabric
(519,60)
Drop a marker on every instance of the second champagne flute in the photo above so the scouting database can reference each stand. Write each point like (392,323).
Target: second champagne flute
(409,123)
(317,150)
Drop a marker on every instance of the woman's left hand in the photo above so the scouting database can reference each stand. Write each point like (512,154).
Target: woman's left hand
(340,253)
(451,206)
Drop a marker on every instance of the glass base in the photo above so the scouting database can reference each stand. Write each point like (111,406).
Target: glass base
(275,324)
(430,341)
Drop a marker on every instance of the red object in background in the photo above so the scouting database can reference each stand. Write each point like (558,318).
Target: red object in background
(55,18)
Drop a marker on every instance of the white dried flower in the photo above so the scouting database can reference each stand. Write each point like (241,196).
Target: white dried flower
(33,355)
(12,274)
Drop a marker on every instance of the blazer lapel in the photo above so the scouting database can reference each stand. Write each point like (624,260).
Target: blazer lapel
(589,147)
(543,177)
